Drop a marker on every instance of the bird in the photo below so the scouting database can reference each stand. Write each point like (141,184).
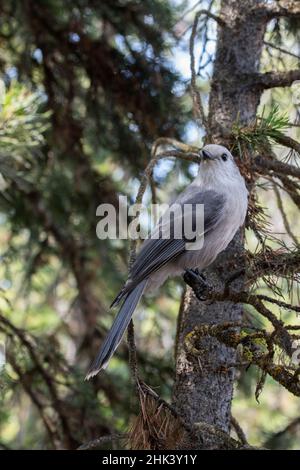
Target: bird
(221,189)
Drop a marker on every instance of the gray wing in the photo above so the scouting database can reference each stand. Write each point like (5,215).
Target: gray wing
(156,252)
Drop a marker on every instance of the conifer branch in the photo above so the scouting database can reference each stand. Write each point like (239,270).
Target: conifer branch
(274,79)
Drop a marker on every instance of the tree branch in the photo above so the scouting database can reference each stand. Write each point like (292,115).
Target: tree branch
(278,264)
(287,141)
(271,164)
(254,344)
(179,150)
(100,441)
(281,49)
(198,430)
(284,339)
(283,214)
(196,97)
(282,8)
(238,430)
(274,79)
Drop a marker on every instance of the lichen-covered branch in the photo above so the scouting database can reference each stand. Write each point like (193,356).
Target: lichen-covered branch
(255,349)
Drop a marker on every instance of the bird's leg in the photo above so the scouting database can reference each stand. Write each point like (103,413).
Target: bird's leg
(197,281)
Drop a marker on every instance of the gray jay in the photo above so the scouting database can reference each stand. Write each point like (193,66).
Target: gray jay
(221,189)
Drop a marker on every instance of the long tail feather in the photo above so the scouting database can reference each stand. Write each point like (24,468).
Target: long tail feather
(117,330)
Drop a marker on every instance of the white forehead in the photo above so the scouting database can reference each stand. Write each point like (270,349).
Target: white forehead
(216,150)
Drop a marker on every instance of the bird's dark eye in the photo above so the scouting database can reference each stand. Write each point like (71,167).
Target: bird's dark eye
(224,157)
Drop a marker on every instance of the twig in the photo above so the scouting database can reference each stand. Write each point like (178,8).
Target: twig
(283,214)
(287,141)
(277,263)
(98,443)
(278,302)
(229,442)
(196,97)
(184,152)
(280,49)
(226,333)
(218,19)
(198,428)
(238,430)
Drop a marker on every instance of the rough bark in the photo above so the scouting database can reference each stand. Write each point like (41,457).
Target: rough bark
(203,390)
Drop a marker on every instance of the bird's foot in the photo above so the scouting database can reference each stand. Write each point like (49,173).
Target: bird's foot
(197,281)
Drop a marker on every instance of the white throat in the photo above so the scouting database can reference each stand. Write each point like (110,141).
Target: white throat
(212,176)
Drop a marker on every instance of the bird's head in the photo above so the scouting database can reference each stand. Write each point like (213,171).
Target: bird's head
(217,163)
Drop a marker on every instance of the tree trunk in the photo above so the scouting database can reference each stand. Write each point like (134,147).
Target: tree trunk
(203,388)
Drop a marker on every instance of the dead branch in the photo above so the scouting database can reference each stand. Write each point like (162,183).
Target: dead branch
(196,97)
(179,150)
(238,430)
(217,18)
(278,263)
(100,441)
(198,431)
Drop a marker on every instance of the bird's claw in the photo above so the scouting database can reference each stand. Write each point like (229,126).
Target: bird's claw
(197,281)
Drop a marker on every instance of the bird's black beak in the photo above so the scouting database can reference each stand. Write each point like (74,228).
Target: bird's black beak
(206,155)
